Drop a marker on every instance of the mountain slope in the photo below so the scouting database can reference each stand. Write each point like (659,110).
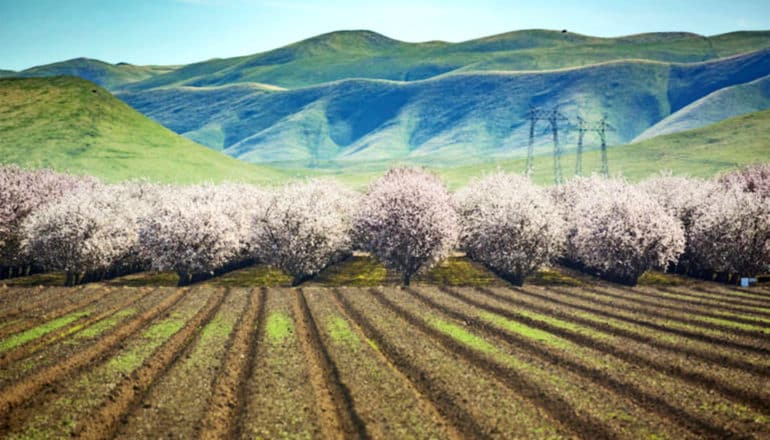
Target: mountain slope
(470,116)
(104,74)
(365,54)
(717,106)
(702,152)
(73,125)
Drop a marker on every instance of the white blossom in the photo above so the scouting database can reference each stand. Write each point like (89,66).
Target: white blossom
(407,220)
(510,225)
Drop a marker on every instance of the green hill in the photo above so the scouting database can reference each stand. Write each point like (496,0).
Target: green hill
(717,106)
(365,54)
(702,152)
(451,119)
(71,124)
(104,74)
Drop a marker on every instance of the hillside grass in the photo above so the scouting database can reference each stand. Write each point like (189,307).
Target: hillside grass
(72,125)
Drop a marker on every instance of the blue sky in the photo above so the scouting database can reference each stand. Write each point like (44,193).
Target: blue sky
(35,32)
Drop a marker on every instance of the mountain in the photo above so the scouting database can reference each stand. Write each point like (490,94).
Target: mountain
(365,54)
(71,124)
(107,75)
(468,117)
(717,106)
(4,73)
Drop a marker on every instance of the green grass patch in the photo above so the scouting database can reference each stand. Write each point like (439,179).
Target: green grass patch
(739,325)
(362,271)
(258,275)
(526,331)
(651,278)
(459,271)
(462,335)
(340,331)
(39,331)
(218,328)
(551,277)
(41,279)
(164,329)
(105,324)
(279,327)
(146,279)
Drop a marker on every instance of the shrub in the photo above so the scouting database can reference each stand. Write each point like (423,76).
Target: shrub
(510,225)
(407,220)
(304,227)
(616,230)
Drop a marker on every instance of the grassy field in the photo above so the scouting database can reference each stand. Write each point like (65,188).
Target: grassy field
(70,124)
(461,354)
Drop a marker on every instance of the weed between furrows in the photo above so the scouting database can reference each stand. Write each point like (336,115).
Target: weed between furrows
(41,330)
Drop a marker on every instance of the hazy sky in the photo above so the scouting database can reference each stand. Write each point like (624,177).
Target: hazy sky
(34,32)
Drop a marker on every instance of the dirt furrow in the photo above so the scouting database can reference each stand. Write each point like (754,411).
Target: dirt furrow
(630,296)
(554,297)
(33,346)
(104,422)
(604,375)
(33,317)
(177,401)
(21,299)
(757,294)
(340,419)
(687,298)
(447,400)
(221,418)
(383,401)
(554,404)
(21,391)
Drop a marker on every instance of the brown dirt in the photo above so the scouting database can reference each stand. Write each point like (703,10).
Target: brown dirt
(220,420)
(461,391)
(104,422)
(382,397)
(175,404)
(621,384)
(338,418)
(45,310)
(693,349)
(33,346)
(279,398)
(19,392)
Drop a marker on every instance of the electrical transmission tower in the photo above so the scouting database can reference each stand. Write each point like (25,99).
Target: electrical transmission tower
(535,115)
(602,128)
(581,129)
(554,118)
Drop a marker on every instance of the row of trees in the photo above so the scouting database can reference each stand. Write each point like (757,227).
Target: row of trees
(407,219)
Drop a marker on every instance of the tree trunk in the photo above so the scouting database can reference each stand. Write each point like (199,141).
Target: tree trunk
(70,281)
(406,279)
(184,279)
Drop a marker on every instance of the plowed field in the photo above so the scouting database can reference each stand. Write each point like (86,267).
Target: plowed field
(595,361)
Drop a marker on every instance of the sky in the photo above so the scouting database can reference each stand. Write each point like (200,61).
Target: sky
(35,32)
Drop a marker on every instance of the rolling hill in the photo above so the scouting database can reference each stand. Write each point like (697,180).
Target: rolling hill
(717,106)
(468,117)
(365,54)
(71,124)
(109,76)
